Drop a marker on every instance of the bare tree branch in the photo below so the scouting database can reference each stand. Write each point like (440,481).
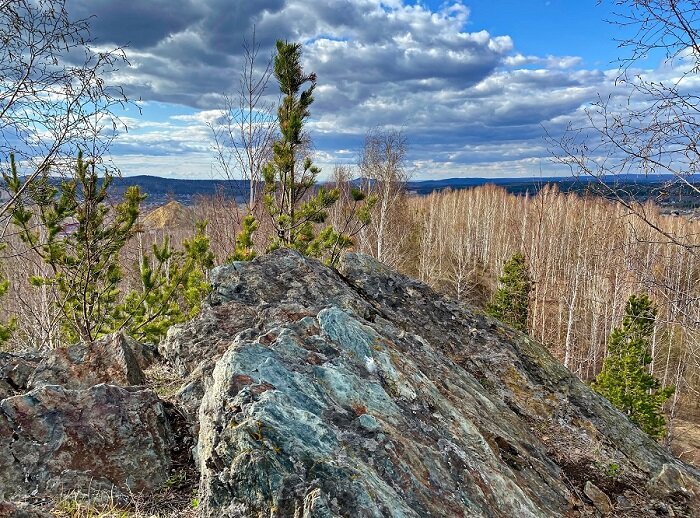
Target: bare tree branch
(54,99)
(243,139)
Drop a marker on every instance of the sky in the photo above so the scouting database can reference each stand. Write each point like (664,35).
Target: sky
(474,84)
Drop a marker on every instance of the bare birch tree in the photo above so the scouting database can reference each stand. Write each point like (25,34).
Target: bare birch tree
(383,166)
(243,139)
(54,96)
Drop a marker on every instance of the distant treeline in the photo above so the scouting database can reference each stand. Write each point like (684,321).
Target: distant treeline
(665,190)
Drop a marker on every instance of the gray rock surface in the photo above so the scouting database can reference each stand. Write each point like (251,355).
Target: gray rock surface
(599,499)
(363,393)
(114,359)
(54,440)
(21,510)
(15,372)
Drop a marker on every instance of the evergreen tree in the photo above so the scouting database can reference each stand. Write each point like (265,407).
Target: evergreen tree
(353,216)
(83,262)
(173,284)
(290,176)
(198,260)
(511,300)
(6,329)
(245,250)
(625,380)
(80,240)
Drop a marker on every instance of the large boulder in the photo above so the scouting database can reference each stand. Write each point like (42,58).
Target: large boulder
(333,411)
(360,392)
(250,300)
(114,359)
(55,440)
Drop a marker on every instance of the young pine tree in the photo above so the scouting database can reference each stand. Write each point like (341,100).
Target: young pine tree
(511,300)
(173,285)
(290,176)
(79,238)
(625,380)
(6,328)
(245,250)
(73,231)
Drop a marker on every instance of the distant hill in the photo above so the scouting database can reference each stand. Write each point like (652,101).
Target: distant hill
(160,190)
(163,190)
(661,188)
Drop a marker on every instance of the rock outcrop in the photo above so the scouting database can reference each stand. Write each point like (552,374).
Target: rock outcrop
(15,372)
(77,419)
(56,440)
(114,359)
(21,510)
(359,392)
(315,392)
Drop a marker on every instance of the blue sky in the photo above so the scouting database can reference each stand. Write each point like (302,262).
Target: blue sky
(474,84)
(557,27)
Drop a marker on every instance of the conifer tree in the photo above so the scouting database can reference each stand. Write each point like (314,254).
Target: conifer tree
(290,176)
(6,328)
(83,262)
(198,260)
(80,240)
(511,300)
(625,380)
(245,250)
(173,285)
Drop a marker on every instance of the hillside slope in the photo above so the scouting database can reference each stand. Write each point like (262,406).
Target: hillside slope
(307,392)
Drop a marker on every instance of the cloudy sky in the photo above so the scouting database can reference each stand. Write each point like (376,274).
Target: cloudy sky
(474,84)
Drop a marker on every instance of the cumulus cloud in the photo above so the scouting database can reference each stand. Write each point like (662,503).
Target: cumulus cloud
(463,96)
(137,24)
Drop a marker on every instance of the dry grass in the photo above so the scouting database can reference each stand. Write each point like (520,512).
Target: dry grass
(166,504)
(163,380)
(686,441)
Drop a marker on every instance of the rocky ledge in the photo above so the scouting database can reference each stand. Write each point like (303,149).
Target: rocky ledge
(313,392)
(360,392)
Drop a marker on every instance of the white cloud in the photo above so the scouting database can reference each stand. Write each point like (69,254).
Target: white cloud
(183,165)
(201,117)
(469,102)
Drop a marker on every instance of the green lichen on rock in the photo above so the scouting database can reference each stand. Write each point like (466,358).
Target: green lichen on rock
(363,393)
